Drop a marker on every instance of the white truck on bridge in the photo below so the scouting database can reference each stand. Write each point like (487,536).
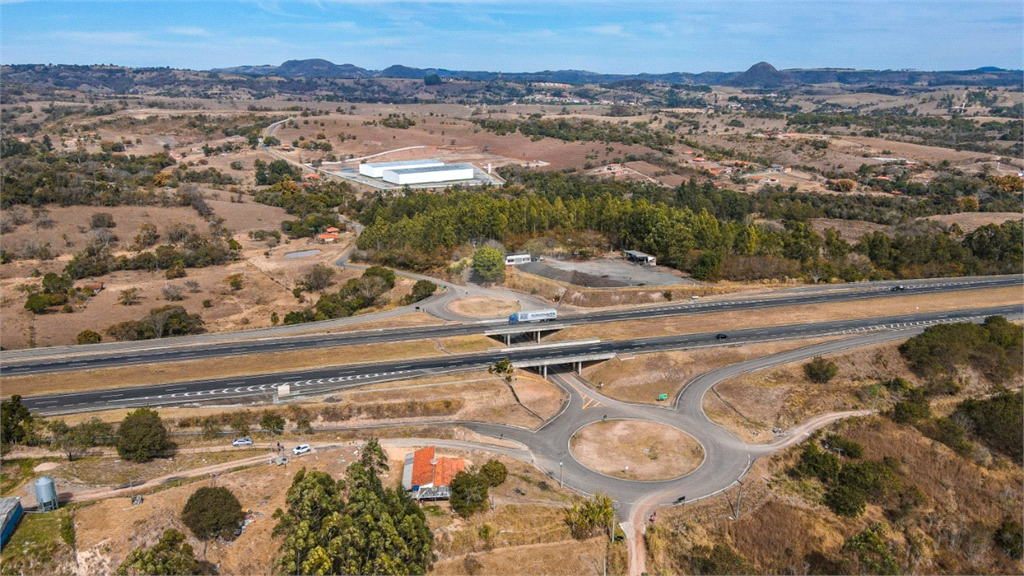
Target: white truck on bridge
(533,316)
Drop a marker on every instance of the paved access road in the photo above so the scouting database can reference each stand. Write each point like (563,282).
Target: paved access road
(35,361)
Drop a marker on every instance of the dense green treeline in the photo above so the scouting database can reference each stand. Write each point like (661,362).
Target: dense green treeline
(708,232)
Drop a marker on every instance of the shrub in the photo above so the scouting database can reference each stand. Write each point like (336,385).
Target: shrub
(212,512)
(102,220)
(1009,538)
(495,472)
(88,337)
(913,408)
(997,422)
(817,464)
(171,555)
(949,433)
(845,447)
(845,501)
(820,370)
(207,303)
(421,290)
(718,560)
(141,436)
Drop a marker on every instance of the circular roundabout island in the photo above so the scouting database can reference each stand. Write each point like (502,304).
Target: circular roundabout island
(636,450)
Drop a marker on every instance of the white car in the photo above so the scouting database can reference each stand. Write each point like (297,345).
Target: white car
(301,449)
(242,442)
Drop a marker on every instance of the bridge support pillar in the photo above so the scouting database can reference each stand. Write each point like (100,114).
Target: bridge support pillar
(579,368)
(544,369)
(538,336)
(508,339)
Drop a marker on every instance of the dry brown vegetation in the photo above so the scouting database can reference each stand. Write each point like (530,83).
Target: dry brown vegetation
(636,450)
(783,527)
(793,315)
(482,307)
(641,378)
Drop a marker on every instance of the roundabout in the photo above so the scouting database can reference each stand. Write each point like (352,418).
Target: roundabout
(636,450)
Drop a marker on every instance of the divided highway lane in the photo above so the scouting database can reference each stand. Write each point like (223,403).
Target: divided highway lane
(176,350)
(341,377)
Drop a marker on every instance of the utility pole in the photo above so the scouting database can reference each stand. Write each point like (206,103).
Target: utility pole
(560,474)
(739,498)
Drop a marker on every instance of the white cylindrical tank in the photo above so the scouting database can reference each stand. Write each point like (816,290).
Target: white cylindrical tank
(46,493)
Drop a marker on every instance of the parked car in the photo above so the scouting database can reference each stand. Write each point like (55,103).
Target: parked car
(720,336)
(242,442)
(301,449)
(280,461)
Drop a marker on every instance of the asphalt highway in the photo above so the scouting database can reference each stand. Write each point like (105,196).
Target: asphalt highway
(322,380)
(14,363)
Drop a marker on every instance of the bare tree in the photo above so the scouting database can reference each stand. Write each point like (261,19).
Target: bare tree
(319,277)
(192,286)
(174,292)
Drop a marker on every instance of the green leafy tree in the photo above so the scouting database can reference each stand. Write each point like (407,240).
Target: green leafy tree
(273,422)
(489,264)
(212,512)
(171,555)
(74,441)
(469,493)
(14,418)
(495,473)
(141,435)
(211,426)
(352,526)
(589,516)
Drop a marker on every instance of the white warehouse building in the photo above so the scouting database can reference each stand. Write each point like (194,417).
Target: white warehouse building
(429,174)
(376,169)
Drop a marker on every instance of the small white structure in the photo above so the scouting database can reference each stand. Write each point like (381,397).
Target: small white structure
(641,258)
(516,259)
(376,169)
(426,175)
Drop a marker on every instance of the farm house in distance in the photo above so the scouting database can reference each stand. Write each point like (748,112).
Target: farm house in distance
(427,477)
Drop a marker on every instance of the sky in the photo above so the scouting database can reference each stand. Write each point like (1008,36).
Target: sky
(623,37)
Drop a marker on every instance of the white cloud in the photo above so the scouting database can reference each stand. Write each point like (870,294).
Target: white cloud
(189,31)
(607,30)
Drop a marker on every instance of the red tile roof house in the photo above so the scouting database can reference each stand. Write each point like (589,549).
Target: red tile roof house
(427,477)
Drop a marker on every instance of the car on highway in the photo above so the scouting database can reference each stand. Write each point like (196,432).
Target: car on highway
(242,442)
(899,288)
(720,336)
(301,449)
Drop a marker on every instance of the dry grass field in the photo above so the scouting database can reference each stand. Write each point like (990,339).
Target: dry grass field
(483,307)
(783,527)
(725,321)
(636,450)
(641,378)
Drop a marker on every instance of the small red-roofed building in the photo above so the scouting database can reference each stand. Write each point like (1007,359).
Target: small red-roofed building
(427,476)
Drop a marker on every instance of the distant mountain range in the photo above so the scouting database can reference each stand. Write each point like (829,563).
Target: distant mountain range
(760,75)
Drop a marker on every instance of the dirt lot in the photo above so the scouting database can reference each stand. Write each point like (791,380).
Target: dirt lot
(849,230)
(636,450)
(482,307)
